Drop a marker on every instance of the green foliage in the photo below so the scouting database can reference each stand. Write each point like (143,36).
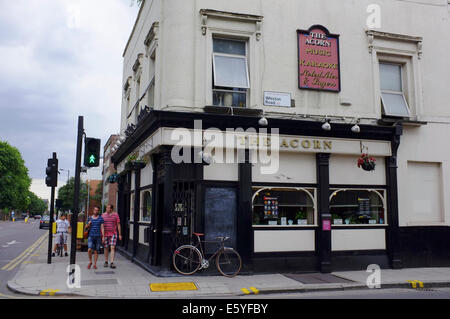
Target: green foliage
(66,192)
(36,206)
(14,179)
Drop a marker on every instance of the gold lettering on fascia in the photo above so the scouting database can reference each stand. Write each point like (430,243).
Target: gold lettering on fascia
(289,143)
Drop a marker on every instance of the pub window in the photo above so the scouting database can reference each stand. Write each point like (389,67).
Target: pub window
(283,206)
(132,207)
(230,73)
(146,207)
(358,206)
(392,90)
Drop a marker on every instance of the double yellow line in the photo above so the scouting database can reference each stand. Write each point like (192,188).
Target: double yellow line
(16,261)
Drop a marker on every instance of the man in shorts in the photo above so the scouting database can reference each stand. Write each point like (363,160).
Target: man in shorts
(62,228)
(96,233)
(111,227)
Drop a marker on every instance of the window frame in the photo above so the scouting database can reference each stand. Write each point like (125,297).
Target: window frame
(244,57)
(131,212)
(401,93)
(381,192)
(313,197)
(218,88)
(141,209)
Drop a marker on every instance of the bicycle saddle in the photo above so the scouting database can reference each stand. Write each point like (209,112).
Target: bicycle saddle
(198,234)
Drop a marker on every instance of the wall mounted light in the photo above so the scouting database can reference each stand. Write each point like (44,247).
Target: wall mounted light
(356,128)
(263,121)
(326,126)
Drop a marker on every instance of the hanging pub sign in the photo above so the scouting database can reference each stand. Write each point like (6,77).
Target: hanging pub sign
(318,59)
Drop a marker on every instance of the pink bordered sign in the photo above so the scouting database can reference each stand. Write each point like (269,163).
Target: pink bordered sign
(318,59)
(326,225)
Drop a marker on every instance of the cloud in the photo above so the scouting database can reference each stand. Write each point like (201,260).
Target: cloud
(60,59)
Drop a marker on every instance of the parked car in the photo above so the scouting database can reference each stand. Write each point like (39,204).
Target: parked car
(44,222)
(37,216)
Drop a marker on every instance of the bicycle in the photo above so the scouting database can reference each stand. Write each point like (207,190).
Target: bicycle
(188,259)
(60,244)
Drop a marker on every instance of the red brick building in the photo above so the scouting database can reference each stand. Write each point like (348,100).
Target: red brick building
(109,189)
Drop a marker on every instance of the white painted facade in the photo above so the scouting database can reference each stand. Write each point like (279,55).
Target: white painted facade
(169,55)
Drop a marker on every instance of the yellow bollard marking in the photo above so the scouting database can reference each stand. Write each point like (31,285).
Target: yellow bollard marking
(420,283)
(245,291)
(256,291)
(48,292)
(413,283)
(173,286)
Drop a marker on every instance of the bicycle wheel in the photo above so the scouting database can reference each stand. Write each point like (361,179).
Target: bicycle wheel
(186,259)
(229,262)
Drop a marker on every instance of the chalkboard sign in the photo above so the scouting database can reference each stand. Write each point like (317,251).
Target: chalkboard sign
(220,216)
(364,206)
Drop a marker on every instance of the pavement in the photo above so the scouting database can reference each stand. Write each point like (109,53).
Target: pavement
(128,280)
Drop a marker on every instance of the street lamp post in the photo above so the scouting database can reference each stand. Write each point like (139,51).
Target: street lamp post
(68,173)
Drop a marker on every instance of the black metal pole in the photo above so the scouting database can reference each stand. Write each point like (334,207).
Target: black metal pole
(50,228)
(76,195)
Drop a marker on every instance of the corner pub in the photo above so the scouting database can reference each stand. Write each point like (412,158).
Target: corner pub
(363,177)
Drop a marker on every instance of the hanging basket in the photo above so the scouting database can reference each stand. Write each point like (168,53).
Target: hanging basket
(367,162)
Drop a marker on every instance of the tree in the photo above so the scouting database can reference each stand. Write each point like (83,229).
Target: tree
(37,206)
(66,192)
(14,179)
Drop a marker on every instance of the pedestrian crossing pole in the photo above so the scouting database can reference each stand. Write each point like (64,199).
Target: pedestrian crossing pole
(76,199)
(53,162)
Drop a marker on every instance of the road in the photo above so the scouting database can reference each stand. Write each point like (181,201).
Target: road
(397,293)
(18,244)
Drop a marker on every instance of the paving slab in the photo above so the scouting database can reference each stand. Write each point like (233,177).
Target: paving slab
(129,280)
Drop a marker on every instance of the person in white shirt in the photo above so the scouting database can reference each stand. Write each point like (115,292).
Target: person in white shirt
(62,228)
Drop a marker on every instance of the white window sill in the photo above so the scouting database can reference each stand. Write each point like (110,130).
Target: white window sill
(280,226)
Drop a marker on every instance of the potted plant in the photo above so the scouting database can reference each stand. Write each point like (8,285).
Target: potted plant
(301,218)
(366,162)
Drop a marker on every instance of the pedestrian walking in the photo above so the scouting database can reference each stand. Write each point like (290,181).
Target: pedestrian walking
(111,228)
(96,234)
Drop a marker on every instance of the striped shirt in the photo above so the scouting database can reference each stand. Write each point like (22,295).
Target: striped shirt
(110,223)
(94,229)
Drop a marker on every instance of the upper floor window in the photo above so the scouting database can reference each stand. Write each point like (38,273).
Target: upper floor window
(230,73)
(392,92)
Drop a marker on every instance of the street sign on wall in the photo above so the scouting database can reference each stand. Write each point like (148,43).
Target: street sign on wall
(318,59)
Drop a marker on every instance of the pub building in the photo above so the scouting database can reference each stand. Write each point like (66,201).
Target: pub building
(356,114)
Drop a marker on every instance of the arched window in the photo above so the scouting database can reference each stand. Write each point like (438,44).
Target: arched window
(283,206)
(358,206)
(146,206)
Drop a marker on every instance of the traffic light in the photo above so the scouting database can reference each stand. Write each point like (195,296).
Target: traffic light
(52,172)
(92,152)
(58,203)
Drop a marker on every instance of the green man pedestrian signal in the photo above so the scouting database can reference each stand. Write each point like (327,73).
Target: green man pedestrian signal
(92,152)
(52,173)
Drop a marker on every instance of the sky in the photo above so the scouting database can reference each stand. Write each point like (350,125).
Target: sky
(60,59)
